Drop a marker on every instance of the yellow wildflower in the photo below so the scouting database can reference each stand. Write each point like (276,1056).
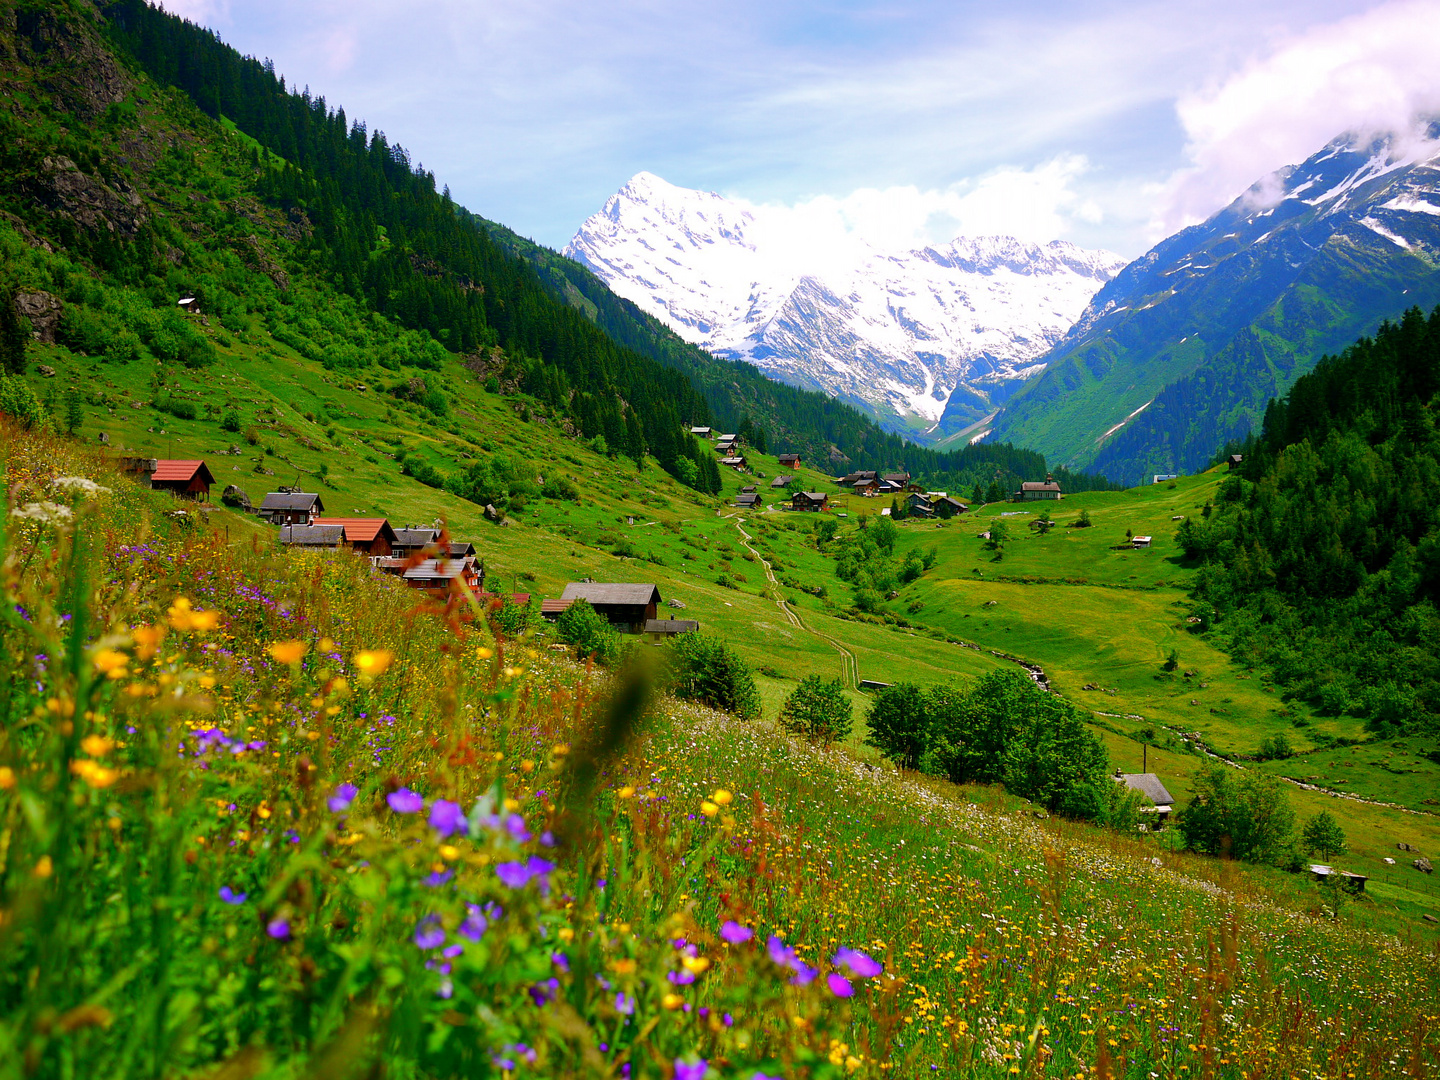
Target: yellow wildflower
(44,868)
(671,1002)
(183,617)
(96,746)
(111,663)
(697,965)
(373,662)
(147,640)
(722,797)
(289,652)
(626,792)
(708,808)
(7,778)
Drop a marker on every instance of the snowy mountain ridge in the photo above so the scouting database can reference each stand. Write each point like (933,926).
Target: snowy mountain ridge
(949,330)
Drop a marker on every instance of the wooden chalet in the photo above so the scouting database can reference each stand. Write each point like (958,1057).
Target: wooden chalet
(702,432)
(1149,785)
(1233,460)
(947,506)
(725,443)
(748,500)
(290,507)
(627,607)
(900,479)
(790,461)
(917,504)
(460,548)
(781,481)
(312,536)
(851,479)
(1035,490)
(1141,541)
(191,479)
(869,487)
(441,577)
(812,501)
(736,462)
(661,630)
(368,536)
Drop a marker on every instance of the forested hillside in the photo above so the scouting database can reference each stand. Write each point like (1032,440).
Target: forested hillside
(1323,555)
(375,226)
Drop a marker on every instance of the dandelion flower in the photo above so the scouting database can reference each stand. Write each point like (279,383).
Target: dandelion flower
(708,808)
(7,778)
(147,640)
(723,797)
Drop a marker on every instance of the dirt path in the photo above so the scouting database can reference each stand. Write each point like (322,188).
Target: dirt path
(849,669)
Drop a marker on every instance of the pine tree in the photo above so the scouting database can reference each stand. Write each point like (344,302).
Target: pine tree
(14,335)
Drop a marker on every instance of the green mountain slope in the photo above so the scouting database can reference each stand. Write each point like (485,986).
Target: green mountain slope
(1181,351)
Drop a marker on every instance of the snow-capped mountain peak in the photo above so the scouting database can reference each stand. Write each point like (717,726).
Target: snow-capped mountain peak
(900,333)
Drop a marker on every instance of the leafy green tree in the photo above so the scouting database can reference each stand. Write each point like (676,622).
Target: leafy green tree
(818,710)
(898,724)
(230,421)
(1324,836)
(590,632)
(825,529)
(705,670)
(1276,748)
(999,534)
(19,402)
(1247,818)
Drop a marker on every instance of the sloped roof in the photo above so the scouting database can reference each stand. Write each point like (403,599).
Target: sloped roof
(785,459)
(780,481)
(360,530)
(432,569)
(181,470)
(416,537)
(813,496)
(602,592)
(1149,785)
(747,499)
(1039,485)
(312,535)
(460,548)
(732,461)
(292,500)
(671,626)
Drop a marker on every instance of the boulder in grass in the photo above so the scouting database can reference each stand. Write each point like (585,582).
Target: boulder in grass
(1423,865)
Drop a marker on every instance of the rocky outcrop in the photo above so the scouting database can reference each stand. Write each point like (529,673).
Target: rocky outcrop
(43,311)
(66,51)
(66,191)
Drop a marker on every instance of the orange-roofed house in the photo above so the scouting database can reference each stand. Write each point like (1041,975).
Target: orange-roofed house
(369,536)
(188,478)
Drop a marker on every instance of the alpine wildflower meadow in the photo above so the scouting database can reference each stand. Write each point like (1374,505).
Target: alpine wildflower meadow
(276,816)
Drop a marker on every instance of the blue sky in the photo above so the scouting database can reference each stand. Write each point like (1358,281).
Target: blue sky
(1109,124)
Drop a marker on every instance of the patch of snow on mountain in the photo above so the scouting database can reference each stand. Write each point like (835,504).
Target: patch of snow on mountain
(899,332)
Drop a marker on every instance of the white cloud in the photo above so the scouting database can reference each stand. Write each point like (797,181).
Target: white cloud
(203,12)
(1038,204)
(1370,73)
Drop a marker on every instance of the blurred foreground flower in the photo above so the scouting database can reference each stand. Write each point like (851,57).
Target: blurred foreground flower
(405,801)
(289,652)
(183,617)
(373,662)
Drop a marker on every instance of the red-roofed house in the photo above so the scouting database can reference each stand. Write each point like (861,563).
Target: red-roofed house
(188,478)
(370,536)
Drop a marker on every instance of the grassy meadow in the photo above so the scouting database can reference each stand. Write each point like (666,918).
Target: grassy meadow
(269,816)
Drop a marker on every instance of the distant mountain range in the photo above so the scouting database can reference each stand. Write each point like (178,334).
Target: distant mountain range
(1184,347)
(928,342)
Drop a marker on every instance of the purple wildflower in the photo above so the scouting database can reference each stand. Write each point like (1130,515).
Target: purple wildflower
(624,1003)
(513,875)
(405,801)
(475,924)
(446,817)
(278,928)
(438,878)
(343,797)
(681,978)
(858,963)
(230,896)
(734,933)
(453,951)
(561,961)
(695,1071)
(542,993)
(515,826)
(839,985)
(804,973)
(429,934)
(446,988)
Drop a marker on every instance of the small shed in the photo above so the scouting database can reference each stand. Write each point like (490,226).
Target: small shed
(291,507)
(626,606)
(189,303)
(368,536)
(192,479)
(1348,880)
(702,432)
(1141,541)
(790,461)
(312,536)
(735,461)
(1164,477)
(813,501)
(658,630)
(1233,460)
(873,684)
(1149,785)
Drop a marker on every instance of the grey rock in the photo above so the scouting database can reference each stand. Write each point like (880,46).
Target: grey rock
(43,311)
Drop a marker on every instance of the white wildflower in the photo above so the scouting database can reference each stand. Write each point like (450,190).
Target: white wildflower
(79,485)
(48,513)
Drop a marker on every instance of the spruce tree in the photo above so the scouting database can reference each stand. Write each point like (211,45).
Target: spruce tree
(14,335)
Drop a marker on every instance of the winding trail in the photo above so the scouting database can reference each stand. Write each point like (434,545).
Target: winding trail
(849,669)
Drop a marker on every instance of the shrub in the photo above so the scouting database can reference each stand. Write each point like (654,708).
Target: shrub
(590,632)
(509,619)
(818,710)
(1275,749)
(230,421)
(19,402)
(560,489)
(704,669)
(176,406)
(899,725)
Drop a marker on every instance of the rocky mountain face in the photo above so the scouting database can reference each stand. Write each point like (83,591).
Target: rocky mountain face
(1182,350)
(914,338)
